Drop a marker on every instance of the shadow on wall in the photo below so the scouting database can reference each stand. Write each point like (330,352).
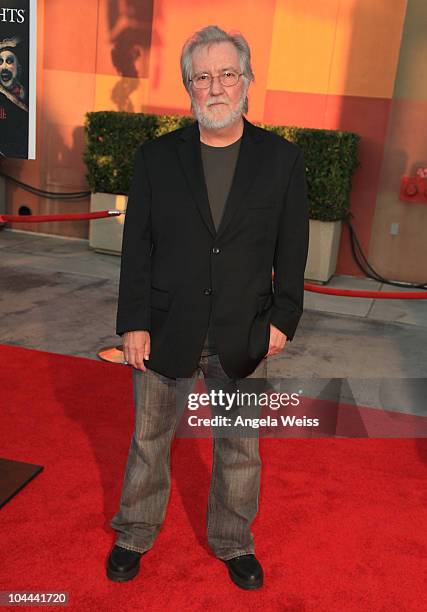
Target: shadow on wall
(60,168)
(130,24)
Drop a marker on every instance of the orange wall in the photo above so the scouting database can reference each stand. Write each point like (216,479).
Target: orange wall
(329,64)
(403,256)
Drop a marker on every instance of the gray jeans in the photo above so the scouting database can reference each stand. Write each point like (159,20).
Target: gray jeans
(236,469)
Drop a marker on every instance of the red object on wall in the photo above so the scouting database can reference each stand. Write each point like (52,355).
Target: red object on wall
(413,189)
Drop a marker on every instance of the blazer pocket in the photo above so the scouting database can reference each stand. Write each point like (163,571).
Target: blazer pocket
(159,299)
(265,300)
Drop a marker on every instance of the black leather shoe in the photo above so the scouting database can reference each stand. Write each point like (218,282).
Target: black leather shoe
(122,564)
(245,571)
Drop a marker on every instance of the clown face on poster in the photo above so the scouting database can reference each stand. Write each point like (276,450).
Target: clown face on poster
(18,78)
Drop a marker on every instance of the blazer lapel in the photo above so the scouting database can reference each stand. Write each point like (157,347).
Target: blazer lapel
(246,166)
(191,161)
(245,171)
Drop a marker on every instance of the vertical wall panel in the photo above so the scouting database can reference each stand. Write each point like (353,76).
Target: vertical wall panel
(70,35)
(303,45)
(404,256)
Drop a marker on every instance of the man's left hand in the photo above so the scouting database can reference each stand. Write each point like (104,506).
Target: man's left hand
(277,341)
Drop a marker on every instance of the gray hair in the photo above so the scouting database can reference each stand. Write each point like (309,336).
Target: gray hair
(207,36)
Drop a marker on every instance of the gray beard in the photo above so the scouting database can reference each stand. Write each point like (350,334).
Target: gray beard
(210,123)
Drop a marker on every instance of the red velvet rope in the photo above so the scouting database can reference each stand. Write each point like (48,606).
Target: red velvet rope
(390,295)
(68,217)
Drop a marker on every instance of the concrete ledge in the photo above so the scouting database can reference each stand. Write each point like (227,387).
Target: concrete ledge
(322,250)
(105,235)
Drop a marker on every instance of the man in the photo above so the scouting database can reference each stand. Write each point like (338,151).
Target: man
(10,71)
(212,209)
(13,102)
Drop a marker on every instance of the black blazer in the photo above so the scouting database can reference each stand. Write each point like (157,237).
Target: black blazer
(176,268)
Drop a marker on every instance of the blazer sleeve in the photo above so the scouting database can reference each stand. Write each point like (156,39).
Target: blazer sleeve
(133,308)
(291,252)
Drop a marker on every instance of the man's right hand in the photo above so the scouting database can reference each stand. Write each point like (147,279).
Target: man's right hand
(136,348)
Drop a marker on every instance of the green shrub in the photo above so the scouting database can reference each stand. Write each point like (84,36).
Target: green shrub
(330,158)
(113,137)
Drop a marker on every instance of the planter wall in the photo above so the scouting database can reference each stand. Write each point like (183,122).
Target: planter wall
(105,235)
(323,250)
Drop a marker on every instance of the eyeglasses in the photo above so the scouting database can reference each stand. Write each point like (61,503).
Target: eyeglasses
(203,80)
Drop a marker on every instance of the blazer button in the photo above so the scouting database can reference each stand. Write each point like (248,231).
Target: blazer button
(215,250)
(207,291)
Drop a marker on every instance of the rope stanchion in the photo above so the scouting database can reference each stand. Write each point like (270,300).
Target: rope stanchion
(358,293)
(65,217)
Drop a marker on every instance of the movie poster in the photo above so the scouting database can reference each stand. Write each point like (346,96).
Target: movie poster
(18,78)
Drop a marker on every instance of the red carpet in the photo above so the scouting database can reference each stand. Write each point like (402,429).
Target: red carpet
(342,523)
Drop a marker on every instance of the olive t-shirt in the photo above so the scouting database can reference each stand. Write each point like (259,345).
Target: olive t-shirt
(219,164)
